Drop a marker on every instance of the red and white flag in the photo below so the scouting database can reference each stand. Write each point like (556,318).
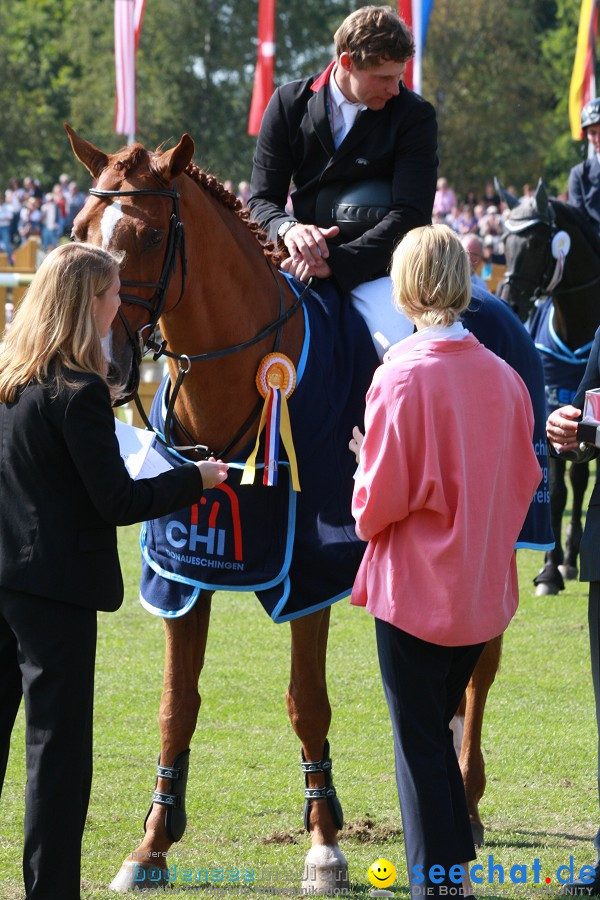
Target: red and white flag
(128,23)
(265,64)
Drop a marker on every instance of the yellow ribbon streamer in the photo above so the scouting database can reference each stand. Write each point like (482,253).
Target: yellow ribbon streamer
(285,430)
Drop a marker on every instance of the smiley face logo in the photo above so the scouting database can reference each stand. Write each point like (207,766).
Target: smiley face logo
(381,873)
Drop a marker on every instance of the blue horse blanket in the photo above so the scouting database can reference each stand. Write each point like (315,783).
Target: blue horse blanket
(563,368)
(297,552)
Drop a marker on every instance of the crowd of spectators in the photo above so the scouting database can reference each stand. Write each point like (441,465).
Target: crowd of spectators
(28,211)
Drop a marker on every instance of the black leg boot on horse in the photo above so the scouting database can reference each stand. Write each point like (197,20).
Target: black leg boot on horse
(549,579)
(147,867)
(559,564)
(326,867)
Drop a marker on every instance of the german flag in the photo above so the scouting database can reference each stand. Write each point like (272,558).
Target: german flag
(583,78)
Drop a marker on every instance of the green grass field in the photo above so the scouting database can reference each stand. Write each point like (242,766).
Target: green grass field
(245,791)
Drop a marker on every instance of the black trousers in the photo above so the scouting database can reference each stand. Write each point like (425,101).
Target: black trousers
(423,685)
(47,656)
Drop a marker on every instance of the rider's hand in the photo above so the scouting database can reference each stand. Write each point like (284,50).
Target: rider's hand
(304,272)
(561,428)
(308,243)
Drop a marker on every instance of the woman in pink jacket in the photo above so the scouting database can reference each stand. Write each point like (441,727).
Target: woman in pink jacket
(447,472)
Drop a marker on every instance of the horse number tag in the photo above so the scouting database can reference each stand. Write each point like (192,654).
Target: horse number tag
(561,244)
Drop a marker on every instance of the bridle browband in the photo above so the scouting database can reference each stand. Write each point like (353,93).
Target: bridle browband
(155,307)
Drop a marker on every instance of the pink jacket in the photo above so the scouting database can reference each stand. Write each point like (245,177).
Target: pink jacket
(446,478)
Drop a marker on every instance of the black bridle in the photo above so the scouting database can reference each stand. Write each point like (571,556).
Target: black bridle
(548,283)
(155,306)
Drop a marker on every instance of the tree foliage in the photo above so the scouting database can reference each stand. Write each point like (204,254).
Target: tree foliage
(498,74)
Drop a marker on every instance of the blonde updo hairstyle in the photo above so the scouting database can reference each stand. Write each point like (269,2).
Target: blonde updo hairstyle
(431,276)
(53,329)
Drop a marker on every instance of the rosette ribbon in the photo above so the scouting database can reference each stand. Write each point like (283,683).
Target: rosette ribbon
(275,381)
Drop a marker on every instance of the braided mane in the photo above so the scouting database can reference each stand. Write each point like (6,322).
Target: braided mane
(214,187)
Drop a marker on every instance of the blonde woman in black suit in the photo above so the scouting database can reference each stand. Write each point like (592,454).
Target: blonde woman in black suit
(64,489)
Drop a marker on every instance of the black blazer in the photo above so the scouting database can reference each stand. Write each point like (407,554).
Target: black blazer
(589,551)
(398,142)
(64,488)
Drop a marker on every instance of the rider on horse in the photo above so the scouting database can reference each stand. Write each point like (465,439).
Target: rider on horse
(584,179)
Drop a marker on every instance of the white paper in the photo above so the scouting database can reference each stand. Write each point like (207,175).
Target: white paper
(137,452)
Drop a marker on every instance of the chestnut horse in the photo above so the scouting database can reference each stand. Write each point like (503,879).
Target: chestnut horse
(163,211)
(230,296)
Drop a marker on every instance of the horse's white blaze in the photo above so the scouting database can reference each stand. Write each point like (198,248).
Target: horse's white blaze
(110,217)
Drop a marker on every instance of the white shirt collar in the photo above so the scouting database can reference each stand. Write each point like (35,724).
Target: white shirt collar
(454,332)
(338,97)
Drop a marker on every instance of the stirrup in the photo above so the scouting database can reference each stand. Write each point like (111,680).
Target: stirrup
(327,792)
(174,800)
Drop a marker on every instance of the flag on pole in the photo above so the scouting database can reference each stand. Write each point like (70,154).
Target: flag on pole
(583,77)
(265,64)
(416,15)
(128,24)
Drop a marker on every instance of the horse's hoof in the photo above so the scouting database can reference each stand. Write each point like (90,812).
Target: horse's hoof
(133,877)
(568,572)
(477,831)
(546,590)
(548,580)
(325,871)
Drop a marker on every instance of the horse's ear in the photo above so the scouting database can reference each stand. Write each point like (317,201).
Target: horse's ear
(173,162)
(510,201)
(541,199)
(93,159)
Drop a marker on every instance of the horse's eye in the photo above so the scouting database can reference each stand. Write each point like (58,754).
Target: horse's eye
(153,238)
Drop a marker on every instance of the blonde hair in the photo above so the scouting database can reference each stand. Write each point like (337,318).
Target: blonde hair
(53,328)
(373,34)
(431,275)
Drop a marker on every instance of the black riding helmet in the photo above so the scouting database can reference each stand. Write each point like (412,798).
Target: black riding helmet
(590,114)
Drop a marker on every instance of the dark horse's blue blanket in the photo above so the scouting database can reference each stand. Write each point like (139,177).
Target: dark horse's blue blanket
(313,552)
(563,368)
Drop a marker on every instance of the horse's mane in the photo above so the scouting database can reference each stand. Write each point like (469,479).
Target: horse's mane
(577,218)
(132,156)
(214,187)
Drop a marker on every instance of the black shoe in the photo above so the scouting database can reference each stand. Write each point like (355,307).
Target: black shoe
(580,888)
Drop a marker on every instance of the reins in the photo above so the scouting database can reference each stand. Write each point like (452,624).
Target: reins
(155,308)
